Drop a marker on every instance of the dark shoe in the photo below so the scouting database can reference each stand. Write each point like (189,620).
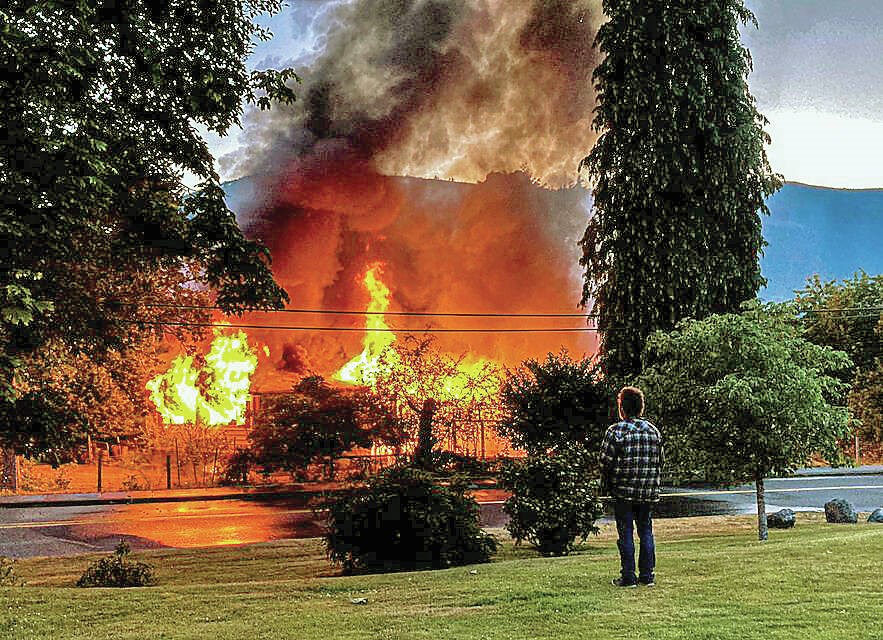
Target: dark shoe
(647,582)
(619,582)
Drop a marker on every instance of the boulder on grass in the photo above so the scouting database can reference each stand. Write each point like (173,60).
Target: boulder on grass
(781,519)
(840,511)
(876,516)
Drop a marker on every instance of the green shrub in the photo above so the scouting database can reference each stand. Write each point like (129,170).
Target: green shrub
(558,400)
(554,500)
(117,571)
(448,462)
(7,573)
(238,467)
(402,520)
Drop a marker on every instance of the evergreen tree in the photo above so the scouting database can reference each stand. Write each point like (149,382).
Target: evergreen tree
(679,172)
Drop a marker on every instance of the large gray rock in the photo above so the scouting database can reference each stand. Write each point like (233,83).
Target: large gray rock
(781,519)
(840,511)
(876,516)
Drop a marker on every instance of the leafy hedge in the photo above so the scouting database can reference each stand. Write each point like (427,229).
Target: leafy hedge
(403,519)
(554,499)
(556,401)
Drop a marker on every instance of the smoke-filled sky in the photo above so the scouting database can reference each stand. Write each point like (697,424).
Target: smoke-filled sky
(491,93)
(496,93)
(817,77)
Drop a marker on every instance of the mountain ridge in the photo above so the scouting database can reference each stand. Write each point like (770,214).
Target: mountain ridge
(811,229)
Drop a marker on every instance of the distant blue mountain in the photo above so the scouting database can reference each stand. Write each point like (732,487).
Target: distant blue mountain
(831,232)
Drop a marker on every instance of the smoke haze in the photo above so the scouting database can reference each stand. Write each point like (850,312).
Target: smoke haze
(490,92)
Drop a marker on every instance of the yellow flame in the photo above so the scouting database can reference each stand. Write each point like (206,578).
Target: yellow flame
(363,368)
(215,394)
(464,383)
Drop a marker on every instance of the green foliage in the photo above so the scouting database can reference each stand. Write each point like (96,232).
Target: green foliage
(743,396)
(403,519)
(866,401)
(239,466)
(117,571)
(553,500)
(65,395)
(318,421)
(848,316)
(679,173)
(858,333)
(448,462)
(98,103)
(8,577)
(553,402)
(43,424)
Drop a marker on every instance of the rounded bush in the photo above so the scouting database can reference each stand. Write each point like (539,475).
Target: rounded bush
(117,571)
(403,519)
(553,500)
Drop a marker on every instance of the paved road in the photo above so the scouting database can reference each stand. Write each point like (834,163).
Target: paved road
(70,530)
(865,492)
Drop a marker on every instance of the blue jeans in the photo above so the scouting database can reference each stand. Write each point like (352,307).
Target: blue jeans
(640,513)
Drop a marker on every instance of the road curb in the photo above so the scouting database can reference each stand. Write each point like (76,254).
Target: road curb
(86,500)
(119,497)
(867,470)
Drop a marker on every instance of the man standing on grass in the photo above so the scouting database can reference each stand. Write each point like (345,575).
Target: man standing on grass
(631,465)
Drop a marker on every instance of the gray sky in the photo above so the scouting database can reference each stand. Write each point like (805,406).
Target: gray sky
(817,76)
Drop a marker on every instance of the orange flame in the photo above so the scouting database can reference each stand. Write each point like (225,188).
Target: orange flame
(364,367)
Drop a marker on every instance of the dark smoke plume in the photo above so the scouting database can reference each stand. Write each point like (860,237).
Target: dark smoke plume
(444,88)
(491,92)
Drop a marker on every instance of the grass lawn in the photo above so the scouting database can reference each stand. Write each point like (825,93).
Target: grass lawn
(714,581)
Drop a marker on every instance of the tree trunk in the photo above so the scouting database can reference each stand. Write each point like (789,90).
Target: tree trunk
(8,470)
(761,509)
(425,439)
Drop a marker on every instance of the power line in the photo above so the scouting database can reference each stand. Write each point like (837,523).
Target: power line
(374,313)
(850,309)
(358,329)
(436,314)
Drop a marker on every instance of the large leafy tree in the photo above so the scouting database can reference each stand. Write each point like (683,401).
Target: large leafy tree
(317,421)
(743,396)
(554,402)
(437,396)
(99,393)
(866,402)
(848,315)
(98,105)
(679,172)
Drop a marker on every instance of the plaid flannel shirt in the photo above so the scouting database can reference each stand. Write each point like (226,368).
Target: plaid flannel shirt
(631,460)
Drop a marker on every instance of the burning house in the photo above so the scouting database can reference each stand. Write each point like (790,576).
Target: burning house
(429,167)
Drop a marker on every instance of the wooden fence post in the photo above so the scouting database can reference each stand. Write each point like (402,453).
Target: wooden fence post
(100,465)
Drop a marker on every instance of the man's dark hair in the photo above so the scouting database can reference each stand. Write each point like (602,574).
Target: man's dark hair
(631,399)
